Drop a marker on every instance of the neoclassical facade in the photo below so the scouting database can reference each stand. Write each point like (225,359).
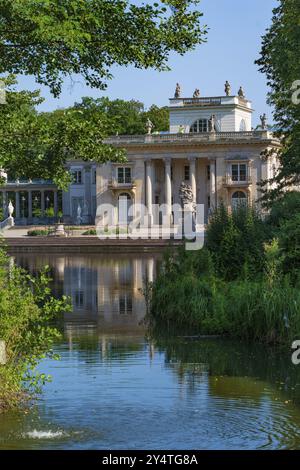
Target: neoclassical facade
(211,147)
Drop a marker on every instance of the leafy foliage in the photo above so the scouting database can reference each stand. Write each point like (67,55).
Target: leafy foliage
(279,60)
(51,39)
(27,310)
(289,241)
(236,242)
(38,145)
(242,284)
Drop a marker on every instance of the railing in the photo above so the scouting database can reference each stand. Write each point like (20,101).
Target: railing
(114,184)
(7,223)
(188,137)
(230,181)
(208,101)
(201,101)
(28,182)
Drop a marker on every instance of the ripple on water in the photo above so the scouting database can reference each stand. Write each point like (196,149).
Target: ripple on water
(35,434)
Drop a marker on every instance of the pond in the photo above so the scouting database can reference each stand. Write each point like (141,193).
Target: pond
(117,388)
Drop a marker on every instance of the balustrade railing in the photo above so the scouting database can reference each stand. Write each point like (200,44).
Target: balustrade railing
(193,137)
(7,223)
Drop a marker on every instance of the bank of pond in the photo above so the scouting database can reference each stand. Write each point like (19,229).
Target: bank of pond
(244,283)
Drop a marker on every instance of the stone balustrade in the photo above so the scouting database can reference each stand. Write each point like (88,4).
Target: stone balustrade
(213,137)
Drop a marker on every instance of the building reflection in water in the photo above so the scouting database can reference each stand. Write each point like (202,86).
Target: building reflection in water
(106,291)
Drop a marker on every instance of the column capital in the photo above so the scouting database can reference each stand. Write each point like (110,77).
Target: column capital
(192,158)
(167,160)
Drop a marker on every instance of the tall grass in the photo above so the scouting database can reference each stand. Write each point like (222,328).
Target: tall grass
(253,310)
(237,285)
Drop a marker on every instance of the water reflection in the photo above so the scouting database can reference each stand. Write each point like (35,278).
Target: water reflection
(119,386)
(106,292)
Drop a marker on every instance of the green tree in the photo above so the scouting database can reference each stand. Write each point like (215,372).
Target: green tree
(289,242)
(38,145)
(52,39)
(236,242)
(283,209)
(279,60)
(28,312)
(159,118)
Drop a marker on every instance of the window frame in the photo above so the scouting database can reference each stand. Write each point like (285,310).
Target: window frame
(77,180)
(124,175)
(198,127)
(239,176)
(187,173)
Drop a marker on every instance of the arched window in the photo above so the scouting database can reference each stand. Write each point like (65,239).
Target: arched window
(243,126)
(239,198)
(201,125)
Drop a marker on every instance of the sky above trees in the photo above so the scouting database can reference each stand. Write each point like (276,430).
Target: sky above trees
(233,45)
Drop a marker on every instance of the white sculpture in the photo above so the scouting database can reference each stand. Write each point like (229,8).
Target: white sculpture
(227,88)
(241,93)
(149,126)
(212,123)
(79,218)
(10,209)
(263,120)
(186,194)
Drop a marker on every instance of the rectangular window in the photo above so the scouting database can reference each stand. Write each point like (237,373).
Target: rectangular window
(203,125)
(77,177)
(187,173)
(208,172)
(239,172)
(124,175)
(94,176)
(79,298)
(243,172)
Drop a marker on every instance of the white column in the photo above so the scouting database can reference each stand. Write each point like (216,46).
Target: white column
(30,204)
(43,202)
(55,203)
(213,193)
(150,269)
(192,161)
(168,186)
(4,204)
(17,204)
(149,190)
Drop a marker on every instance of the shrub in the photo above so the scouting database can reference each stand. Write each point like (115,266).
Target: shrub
(27,310)
(91,231)
(283,210)
(289,242)
(241,284)
(236,242)
(37,232)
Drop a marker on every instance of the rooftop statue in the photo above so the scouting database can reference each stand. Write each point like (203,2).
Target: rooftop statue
(213,123)
(227,88)
(263,119)
(177,91)
(196,93)
(241,93)
(149,126)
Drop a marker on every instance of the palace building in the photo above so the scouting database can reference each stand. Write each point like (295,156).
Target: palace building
(211,146)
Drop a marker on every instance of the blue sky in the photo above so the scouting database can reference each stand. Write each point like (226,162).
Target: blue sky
(233,45)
